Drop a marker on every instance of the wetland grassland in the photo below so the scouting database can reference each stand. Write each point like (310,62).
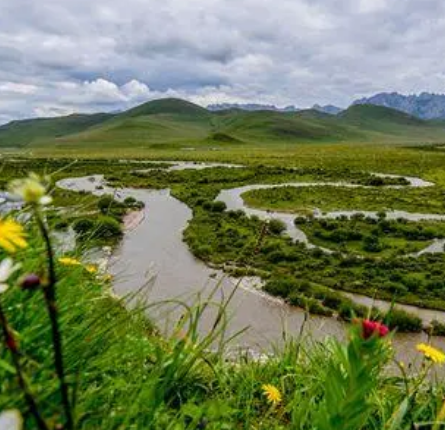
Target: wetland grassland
(122,373)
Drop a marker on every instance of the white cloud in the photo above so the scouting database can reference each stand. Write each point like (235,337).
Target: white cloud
(13,87)
(135,90)
(105,55)
(102,91)
(367,6)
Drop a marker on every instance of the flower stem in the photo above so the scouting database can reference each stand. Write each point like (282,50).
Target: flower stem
(49,292)
(11,344)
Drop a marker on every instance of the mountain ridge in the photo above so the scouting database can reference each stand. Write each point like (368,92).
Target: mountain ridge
(250,107)
(176,122)
(424,105)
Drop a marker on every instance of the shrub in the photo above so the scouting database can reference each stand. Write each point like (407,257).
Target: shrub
(403,321)
(107,228)
(130,201)
(276,256)
(276,226)
(83,225)
(348,310)
(108,204)
(218,206)
(332,300)
(372,244)
(311,305)
(61,224)
(203,251)
(359,216)
(300,220)
(207,205)
(281,287)
(437,328)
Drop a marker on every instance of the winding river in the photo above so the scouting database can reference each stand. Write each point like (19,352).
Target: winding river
(153,260)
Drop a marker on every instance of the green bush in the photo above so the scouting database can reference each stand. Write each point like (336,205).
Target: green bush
(437,328)
(107,203)
(61,224)
(218,206)
(132,203)
(281,287)
(276,226)
(129,201)
(83,225)
(107,228)
(349,310)
(311,305)
(403,321)
(372,244)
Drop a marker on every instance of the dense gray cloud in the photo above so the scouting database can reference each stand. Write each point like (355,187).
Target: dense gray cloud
(62,56)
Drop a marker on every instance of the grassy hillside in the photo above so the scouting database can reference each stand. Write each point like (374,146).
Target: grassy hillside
(168,106)
(383,121)
(21,133)
(174,123)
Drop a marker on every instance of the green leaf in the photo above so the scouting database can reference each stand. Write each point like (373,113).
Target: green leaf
(7,367)
(397,417)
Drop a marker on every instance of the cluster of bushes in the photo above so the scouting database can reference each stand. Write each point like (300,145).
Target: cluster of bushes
(214,206)
(231,235)
(108,225)
(379,181)
(320,300)
(108,205)
(102,227)
(437,328)
(375,234)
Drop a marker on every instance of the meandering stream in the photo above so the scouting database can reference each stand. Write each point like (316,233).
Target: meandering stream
(153,255)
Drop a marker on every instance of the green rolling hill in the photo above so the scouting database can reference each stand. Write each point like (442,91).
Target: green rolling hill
(178,123)
(22,133)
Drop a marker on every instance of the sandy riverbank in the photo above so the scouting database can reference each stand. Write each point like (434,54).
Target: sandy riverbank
(133,219)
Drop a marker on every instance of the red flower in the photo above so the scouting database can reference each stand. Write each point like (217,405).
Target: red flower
(373,327)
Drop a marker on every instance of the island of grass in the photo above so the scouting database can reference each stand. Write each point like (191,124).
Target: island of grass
(328,198)
(371,236)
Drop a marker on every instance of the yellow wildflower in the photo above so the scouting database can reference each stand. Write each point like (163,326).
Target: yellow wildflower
(91,268)
(12,236)
(68,261)
(272,394)
(433,354)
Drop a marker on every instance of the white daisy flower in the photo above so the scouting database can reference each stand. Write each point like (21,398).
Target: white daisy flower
(7,268)
(32,189)
(11,420)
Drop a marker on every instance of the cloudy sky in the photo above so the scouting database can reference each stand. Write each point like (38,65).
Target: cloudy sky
(62,56)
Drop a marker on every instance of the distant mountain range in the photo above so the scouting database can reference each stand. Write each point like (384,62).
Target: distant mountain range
(250,107)
(175,123)
(330,109)
(424,105)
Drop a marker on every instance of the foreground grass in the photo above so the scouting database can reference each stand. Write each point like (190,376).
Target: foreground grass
(124,375)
